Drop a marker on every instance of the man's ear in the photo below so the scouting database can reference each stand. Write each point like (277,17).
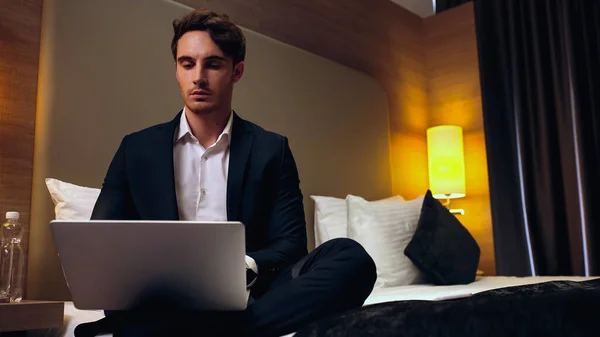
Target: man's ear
(238,71)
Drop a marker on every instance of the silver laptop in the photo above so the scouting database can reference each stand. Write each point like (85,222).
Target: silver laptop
(122,265)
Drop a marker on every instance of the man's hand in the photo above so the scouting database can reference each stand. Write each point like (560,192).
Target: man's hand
(251,272)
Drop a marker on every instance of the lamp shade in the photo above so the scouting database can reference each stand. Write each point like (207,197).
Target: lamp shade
(446,161)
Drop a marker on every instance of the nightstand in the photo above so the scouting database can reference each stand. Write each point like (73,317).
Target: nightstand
(17,318)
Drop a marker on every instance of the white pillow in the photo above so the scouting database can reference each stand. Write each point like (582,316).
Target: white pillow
(384,229)
(330,218)
(72,202)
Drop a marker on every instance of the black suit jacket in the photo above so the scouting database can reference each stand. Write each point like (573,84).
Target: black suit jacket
(262,188)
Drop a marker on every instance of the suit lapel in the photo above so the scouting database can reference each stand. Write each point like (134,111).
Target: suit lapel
(239,151)
(165,198)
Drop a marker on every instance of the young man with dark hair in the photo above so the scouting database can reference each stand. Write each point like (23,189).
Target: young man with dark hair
(209,164)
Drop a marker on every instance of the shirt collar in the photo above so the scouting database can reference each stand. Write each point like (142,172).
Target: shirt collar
(184,128)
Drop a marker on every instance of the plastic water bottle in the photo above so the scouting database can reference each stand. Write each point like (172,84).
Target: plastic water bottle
(11,259)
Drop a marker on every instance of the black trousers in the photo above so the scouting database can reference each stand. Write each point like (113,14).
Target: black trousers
(337,276)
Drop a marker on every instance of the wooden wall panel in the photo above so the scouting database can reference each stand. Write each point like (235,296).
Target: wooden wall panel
(20,23)
(453,69)
(454,97)
(376,37)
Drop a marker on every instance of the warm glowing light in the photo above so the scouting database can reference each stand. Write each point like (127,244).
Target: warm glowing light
(446,158)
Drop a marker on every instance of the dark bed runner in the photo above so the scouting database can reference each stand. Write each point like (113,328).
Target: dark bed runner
(559,308)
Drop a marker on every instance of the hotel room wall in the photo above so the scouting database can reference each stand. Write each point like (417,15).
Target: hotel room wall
(19,55)
(454,97)
(106,70)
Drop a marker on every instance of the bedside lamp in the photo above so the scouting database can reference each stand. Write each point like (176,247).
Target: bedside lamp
(446,163)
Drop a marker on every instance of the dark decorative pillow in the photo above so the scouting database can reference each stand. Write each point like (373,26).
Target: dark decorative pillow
(442,248)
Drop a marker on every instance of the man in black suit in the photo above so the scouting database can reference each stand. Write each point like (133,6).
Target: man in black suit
(209,164)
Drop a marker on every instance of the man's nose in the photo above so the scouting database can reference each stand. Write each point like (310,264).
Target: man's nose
(200,77)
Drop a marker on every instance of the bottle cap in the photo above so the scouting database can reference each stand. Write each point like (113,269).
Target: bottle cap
(12,215)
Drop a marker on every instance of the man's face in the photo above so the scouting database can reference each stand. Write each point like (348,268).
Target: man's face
(205,75)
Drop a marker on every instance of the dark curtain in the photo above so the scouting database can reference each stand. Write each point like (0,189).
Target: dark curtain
(442,5)
(540,80)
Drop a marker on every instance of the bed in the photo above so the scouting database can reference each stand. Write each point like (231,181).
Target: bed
(397,233)
(551,308)
(421,292)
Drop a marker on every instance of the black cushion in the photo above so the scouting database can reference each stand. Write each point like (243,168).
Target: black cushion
(442,248)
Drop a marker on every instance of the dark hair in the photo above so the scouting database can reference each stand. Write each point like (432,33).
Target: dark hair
(224,33)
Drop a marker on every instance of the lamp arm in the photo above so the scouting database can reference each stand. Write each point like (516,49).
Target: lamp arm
(453,211)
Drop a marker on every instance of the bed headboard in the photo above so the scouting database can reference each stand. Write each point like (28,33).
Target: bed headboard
(117,77)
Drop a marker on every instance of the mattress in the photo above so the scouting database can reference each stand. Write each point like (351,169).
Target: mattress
(74,316)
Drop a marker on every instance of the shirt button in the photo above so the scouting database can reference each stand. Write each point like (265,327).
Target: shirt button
(205,157)
(203,191)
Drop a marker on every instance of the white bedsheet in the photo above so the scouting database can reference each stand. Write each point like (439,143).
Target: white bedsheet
(73,316)
(433,293)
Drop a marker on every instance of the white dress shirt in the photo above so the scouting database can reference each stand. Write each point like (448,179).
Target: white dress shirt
(201,176)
